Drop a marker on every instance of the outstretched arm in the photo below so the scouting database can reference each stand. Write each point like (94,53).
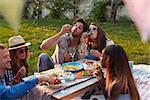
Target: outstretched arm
(52,41)
(18,90)
(21,89)
(20,74)
(102,81)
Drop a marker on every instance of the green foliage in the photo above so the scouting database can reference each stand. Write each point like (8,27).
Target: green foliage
(124,34)
(36,6)
(124,19)
(98,11)
(33,8)
(57,7)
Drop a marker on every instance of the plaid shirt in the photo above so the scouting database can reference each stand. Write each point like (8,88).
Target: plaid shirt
(1,80)
(9,77)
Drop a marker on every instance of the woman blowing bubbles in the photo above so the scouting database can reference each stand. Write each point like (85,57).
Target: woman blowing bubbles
(94,40)
(119,84)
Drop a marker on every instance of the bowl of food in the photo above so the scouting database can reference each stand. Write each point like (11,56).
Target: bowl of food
(73,66)
(91,65)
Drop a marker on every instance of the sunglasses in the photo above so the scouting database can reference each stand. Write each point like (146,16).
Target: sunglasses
(22,50)
(91,29)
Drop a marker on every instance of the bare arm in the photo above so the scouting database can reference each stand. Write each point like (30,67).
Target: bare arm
(17,78)
(102,81)
(21,89)
(50,42)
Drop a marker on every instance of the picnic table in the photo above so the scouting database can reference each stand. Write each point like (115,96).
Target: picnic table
(141,73)
(73,88)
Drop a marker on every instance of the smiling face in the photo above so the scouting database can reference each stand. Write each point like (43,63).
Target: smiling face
(77,29)
(21,53)
(5,59)
(93,31)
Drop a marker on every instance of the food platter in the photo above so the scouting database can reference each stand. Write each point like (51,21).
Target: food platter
(89,62)
(56,85)
(91,65)
(73,66)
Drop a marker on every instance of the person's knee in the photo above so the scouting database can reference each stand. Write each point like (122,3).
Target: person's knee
(45,62)
(44,56)
(42,60)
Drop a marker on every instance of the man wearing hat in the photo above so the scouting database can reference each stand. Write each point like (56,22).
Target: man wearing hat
(18,54)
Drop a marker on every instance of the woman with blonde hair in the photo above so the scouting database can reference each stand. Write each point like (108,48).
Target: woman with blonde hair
(119,84)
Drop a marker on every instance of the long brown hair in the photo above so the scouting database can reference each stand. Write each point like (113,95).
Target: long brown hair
(119,77)
(22,62)
(100,41)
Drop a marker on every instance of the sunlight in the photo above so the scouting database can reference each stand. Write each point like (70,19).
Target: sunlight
(11,10)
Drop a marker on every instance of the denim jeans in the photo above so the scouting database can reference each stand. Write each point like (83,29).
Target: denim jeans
(91,57)
(45,62)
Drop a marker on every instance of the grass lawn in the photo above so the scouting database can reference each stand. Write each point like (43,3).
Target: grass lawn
(124,34)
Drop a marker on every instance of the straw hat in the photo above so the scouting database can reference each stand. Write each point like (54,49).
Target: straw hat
(16,42)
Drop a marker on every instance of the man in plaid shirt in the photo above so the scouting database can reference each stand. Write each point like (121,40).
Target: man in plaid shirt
(9,77)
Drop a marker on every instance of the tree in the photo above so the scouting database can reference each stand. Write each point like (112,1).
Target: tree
(76,5)
(114,6)
(98,12)
(57,7)
(33,8)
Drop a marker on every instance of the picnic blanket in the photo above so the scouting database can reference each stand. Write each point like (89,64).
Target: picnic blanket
(141,74)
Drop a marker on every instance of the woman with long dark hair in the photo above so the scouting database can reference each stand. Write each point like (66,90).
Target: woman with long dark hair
(96,40)
(119,83)
(18,54)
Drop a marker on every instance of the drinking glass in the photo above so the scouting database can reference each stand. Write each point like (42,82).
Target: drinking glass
(131,64)
(63,91)
(36,74)
(72,52)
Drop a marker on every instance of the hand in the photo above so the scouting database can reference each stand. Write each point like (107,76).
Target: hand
(81,54)
(22,72)
(85,34)
(67,57)
(46,78)
(95,53)
(99,73)
(84,38)
(65,29)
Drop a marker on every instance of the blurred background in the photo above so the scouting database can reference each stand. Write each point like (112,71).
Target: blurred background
(41,19)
